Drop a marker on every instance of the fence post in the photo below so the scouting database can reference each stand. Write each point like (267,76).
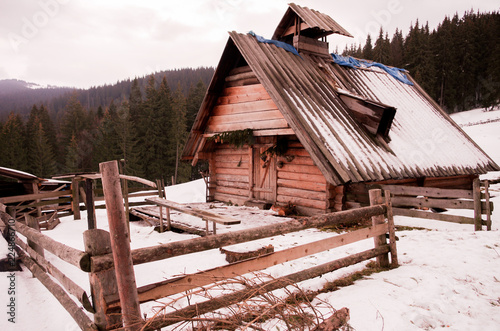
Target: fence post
(103,283)
(76,199)
(89,200)
(392,230)
(32,222)
(120,245)
(376,199)
(476,194)
(488,208)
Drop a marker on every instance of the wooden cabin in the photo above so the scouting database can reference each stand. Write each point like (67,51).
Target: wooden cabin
(284,122)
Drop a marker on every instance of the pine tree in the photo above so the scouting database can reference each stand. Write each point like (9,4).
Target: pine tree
(41,156)
(194,100)
(14,152)
(127,141)
(368,49)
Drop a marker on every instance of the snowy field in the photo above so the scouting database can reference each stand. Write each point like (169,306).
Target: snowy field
(449,275)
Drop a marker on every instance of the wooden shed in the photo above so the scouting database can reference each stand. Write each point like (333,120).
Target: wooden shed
(284,121)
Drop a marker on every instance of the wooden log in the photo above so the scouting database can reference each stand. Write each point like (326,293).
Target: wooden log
(103,283)
(375,199)
(187,282)
(120,245)
(338,319)
(488,209)
(76,199)
(201,308)
(476,192)
(66,282)
(64,252)
(32,222)
(168,250)
(71,307)
(392,229)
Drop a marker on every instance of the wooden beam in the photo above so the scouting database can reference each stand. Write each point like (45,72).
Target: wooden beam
(30,197)
(488,209)
(433,216)
(476,192)
(429,192)
(375,199)
(439,203)
(76,199)
(392,230)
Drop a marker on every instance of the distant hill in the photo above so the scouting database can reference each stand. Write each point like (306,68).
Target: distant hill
(19,96)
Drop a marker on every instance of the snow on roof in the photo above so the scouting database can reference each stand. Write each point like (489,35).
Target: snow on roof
(16,174)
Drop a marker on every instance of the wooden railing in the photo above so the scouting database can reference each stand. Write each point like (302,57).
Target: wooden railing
(115,297)
(405,197)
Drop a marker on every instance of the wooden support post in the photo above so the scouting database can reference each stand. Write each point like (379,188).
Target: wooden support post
(120,244)
(102,283)
(376,199)
(36,191)
(125,192)
(160,195)
(76,199)
(392,230)
(89,201)
(488,207)
(476,194)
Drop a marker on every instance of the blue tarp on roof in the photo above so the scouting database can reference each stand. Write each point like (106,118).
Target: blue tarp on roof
(285,46)
(349,61)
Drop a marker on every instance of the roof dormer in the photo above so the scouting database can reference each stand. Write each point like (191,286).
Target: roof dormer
(306,29)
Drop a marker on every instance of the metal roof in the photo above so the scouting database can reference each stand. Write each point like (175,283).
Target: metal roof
(423,141)
(313,18)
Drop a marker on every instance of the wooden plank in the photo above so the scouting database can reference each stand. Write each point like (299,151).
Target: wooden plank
(30,197)
(232,171)
(244,108)
(265,115)
(76,199)
(224,220)
(232,178)
(429,192)
(243,192)
(168,250)
(299,201)
(436,203)
(239,90)
(476,192)
(391,229)
(240,98)
(488,209)
(254,125)
(433,216)
(187,282)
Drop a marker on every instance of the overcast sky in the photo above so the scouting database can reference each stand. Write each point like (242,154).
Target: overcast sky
(84,43)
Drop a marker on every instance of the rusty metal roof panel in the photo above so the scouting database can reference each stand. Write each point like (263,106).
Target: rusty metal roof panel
(423,142)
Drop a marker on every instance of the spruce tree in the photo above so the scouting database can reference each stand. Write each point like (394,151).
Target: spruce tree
(14,151)
(41,157)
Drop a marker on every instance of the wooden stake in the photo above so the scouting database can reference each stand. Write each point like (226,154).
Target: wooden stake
(376,199)
(76,199)
(89,201)
(160,195)
(488,207)
(120,244)
(392,233)
(476,193)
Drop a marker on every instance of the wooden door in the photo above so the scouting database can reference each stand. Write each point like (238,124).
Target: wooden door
(264,174)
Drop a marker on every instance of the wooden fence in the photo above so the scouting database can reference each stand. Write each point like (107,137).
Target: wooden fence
(109,261)
(477,199)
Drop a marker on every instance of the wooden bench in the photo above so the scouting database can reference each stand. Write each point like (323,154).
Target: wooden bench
(203,214)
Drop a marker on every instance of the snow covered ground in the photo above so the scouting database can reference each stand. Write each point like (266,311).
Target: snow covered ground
(449,276)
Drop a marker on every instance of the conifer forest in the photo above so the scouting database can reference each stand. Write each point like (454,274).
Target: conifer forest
(145,121)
